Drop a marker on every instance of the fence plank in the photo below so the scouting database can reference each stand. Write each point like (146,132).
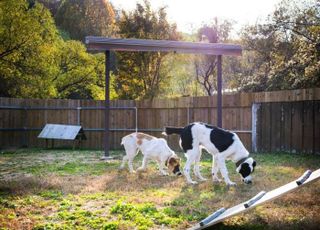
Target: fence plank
(316,127)
(297,129)
(308,123)
(287,127)
(275,126)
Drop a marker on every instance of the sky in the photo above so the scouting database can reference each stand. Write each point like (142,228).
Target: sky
(190,15)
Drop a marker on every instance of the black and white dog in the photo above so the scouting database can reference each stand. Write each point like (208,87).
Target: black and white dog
(220,143)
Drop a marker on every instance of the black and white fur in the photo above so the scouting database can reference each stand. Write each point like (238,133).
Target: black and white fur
(221,144)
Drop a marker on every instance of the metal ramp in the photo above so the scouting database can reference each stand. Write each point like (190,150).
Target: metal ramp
(261,198)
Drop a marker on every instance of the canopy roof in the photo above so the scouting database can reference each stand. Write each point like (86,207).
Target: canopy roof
(114,44)
(106,45)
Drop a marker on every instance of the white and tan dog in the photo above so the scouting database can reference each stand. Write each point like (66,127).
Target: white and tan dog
(152,148)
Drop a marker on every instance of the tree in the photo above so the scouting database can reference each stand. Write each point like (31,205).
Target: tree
(284,52)
(142,74)
(205,65)
(27,35)
(299,23)
(51,5)
(182,81)
(79,74)
(82,18)
(36,63)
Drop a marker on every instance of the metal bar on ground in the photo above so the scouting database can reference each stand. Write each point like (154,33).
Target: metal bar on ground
(254,199)
(304,177)
(212,216)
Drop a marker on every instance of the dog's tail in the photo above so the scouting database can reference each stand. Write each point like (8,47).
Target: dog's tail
(123,139)
(172,130)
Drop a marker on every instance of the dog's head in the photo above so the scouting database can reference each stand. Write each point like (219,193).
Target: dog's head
(173,164)
(245,169)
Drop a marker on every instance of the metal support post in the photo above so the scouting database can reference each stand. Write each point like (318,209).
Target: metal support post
(107,106)
(219,88)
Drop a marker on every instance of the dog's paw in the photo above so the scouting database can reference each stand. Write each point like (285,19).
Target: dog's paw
(192,182)
(231,184)
(164,173)
(203,179)
(121,167)
(140,169)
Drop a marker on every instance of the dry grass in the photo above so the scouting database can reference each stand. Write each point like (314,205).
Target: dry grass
(61,189)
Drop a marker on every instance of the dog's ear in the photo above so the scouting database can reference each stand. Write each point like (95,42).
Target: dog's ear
(244,170)
(172,161)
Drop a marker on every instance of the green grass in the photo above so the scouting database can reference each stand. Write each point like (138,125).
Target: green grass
(70,168)
(65,189)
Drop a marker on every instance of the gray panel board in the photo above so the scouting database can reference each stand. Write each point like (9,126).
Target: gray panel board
(62,132)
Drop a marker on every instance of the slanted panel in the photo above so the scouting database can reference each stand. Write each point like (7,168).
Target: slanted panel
(64,132)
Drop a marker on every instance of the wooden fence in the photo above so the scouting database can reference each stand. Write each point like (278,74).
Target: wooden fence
(22,119)
(288,126)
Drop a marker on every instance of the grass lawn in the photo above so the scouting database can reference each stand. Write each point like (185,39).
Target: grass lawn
(65,189)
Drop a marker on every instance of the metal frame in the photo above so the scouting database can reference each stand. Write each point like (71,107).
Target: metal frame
(103,44)
(107,104)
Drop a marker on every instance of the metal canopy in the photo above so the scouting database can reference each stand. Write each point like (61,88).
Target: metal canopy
(106,45)
(103,44)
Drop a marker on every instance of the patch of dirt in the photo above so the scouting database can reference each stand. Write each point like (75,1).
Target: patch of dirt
(13,167)
(28,184)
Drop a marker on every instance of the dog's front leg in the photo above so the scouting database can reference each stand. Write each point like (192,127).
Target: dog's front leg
(224,171)
(215,170)
(143,167)
(196,168)
(190,159)
(161,168)
(124,159)
(130,164)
